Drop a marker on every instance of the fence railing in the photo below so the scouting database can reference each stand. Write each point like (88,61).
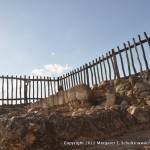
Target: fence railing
(129,60)
(22,90)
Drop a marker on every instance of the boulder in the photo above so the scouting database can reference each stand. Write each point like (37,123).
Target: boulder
(139,114)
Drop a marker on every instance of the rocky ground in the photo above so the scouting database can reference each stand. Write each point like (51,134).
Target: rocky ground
(59,128)
(92,125)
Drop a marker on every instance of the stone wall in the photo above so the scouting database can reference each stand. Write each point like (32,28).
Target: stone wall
(80,93)
(124,92)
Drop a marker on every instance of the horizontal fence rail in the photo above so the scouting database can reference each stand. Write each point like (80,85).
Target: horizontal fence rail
(115,64)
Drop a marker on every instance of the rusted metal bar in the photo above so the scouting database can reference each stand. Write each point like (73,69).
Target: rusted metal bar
(104,67)
(97,70)
(143,51)
(44,87)
(20,89)
(101,68)
(73,76)
(110,55)
(33,86)
(48,86)
(64,82)
(108,66)
(41,89)
(7,90)
(121,59)
(37,89)
(133,66)
(2,90)
(16,89)
(68,80)
(29,89)
(12,90)
(87,74)
(91,73)
(54,85)
(81,75)
(25,91)
(60,83)
(115,64)
(57,85)
(147,39)
(75,73)
(94,72)
(129,70)
(84,74)
(137,54)
(51,86)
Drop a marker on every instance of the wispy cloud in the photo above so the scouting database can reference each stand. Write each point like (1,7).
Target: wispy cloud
(53,53)
(51,70)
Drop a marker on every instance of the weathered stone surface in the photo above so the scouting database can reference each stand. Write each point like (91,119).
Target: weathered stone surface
(56,99)
(98,92)
(82,92)
(124,104)
(71,94)
(44,103)
(139,113)
(123,87)
(50,101)
(66,100)
(60,98)
(111,99)
(46,129)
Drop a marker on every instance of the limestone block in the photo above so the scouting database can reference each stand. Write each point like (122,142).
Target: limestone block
(66,100)
(60,98)
(44,103)
(110,99)
(82,92)
(56,99)
(50,101)
(97,92)
(71,94)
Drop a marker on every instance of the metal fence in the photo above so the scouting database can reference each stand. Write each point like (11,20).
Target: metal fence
(22,90)
(129,60)
(124,62)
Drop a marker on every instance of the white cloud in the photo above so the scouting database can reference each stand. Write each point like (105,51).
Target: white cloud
(40,72)
(51,70)
(53,53)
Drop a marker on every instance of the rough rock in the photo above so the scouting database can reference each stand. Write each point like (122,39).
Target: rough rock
(111,99)
(46,129)
(140,114)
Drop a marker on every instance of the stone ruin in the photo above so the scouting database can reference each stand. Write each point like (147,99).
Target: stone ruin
(104,111)
(124,92)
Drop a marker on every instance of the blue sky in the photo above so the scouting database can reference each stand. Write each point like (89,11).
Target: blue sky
(50,37)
